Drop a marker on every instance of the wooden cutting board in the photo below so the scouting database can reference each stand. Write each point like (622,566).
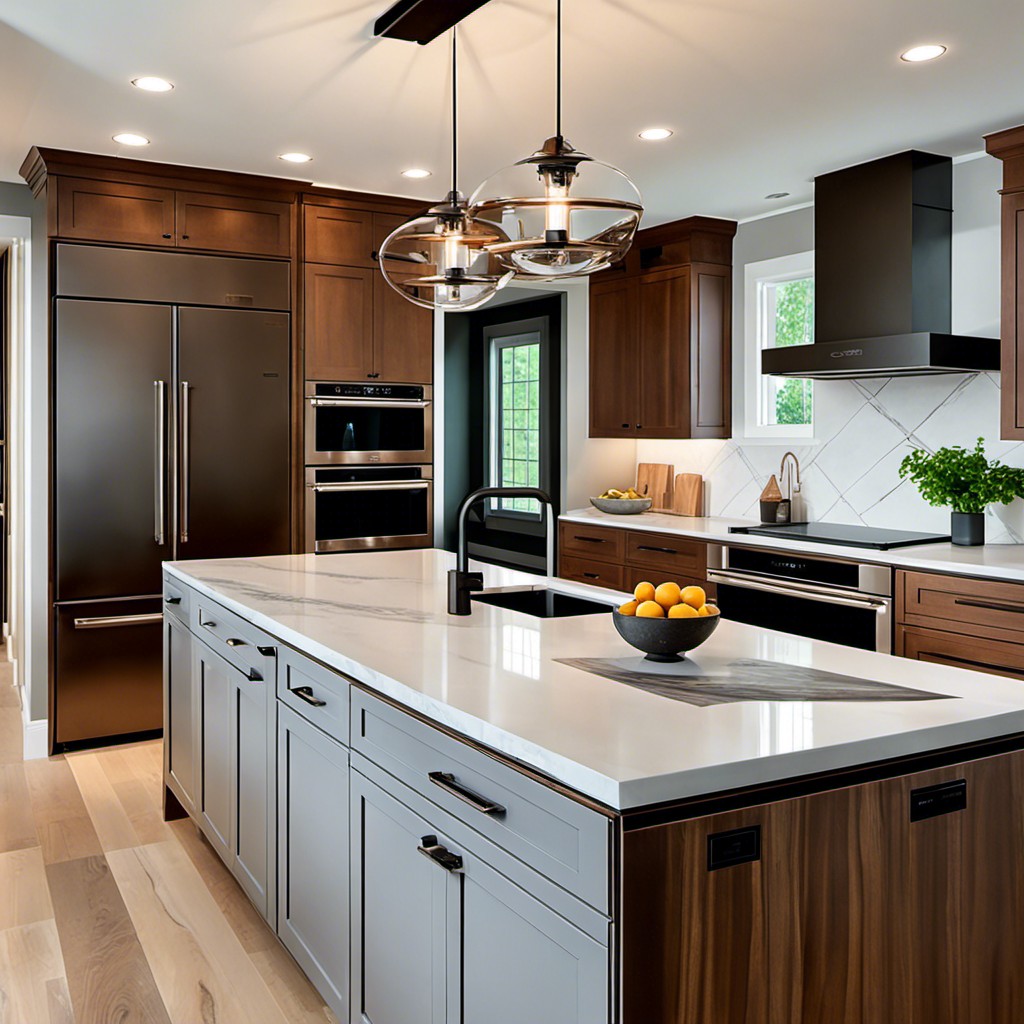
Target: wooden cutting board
(688,495)
(654,480)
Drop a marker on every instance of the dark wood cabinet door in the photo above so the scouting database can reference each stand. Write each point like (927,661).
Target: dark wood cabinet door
(383,225)
(403,337)
(663,303)
(614,371)
(339,323)
(256,227)
(108,211)
(342,237)
(710,337)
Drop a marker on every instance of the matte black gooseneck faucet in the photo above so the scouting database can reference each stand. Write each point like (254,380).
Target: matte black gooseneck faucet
(462,582)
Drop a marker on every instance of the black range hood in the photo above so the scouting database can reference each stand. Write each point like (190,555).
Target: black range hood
(883,234)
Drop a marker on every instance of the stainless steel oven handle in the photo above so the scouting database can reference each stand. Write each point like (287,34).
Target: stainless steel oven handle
(385,485)
(159,460)
(110,621)
(367,403)
(788,589)
(186,461)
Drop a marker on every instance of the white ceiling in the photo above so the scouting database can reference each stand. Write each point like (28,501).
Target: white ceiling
(762,95)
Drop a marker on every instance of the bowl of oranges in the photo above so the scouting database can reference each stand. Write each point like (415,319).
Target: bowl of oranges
(666,621)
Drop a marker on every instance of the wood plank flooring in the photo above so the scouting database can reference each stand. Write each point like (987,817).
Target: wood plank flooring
(109,914)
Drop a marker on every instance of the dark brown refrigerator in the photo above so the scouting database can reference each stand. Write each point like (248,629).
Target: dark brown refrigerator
(170,441)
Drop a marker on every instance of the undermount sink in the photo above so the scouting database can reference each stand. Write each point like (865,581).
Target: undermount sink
(542,603)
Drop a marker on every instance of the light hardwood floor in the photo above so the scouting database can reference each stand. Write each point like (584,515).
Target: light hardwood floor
(109,915)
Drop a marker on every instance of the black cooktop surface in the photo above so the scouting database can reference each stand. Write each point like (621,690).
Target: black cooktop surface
(838,533)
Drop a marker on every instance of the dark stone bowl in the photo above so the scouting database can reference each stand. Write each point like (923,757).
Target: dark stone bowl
(664,639)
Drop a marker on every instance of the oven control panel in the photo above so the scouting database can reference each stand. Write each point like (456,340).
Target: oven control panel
(409,392)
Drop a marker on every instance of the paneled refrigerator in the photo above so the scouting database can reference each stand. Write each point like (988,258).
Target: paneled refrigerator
(170,441)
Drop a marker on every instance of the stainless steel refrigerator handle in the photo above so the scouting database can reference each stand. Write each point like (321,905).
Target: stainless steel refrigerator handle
(385,485)
(367,403)
(186,462)
(159,460)
(734,579)
(110,621)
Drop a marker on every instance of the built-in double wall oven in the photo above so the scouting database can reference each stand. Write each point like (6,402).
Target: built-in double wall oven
(369,473)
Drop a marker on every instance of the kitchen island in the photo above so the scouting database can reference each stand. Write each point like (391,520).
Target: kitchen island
(481,807)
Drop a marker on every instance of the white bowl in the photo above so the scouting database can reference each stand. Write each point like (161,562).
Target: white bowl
(622,506)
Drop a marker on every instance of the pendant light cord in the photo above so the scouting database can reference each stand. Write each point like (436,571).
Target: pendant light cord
(558,76)
(455,115)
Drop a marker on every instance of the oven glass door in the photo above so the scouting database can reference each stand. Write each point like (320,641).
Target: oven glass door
(352,510)
(866,626)
(342,430)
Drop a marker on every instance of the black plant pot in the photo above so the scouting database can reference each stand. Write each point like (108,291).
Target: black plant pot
(968,528)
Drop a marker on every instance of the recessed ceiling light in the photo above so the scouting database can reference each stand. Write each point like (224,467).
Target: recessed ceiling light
(928,51)
(776,195)
(131,139)
(295,158)
(416,172)
(150,83)
(655,134)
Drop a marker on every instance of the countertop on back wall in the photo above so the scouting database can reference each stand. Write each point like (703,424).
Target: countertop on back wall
(991,561)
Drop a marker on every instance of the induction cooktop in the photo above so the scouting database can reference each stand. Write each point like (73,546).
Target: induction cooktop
(838,533)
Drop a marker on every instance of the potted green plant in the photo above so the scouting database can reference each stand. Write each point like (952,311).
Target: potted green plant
(967,482)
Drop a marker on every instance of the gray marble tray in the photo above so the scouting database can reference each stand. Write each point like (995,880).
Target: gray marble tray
(744,679)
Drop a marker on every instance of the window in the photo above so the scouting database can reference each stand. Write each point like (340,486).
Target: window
(779,303)
(516,418)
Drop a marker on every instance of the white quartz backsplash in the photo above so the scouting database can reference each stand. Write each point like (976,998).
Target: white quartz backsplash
(851,474)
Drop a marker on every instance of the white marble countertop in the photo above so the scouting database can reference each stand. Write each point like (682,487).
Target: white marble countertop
(382,619)
(992,561)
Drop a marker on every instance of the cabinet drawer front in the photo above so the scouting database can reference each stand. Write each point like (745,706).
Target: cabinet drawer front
(661,574)
(999,657)
(176,599)
(605,543)
(316,692)
(556,836)
(238,642)
(584,570)
(972,607)
(685,558)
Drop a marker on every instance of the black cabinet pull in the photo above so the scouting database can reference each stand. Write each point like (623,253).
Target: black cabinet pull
(591,575)
(170,599)
(184,238)
(253,676)
(639,426)
(479,803)
(306,693)
(167,236)
(590,540)
(990,606)
(209,624)
(625,426)
(439,855)
(233,641)
(660,551)
(267,652)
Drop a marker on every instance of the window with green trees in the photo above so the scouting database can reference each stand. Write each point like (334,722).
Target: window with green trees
(516,402)
(786,317)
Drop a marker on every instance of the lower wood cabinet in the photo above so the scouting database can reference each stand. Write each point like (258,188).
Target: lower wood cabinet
(312,855)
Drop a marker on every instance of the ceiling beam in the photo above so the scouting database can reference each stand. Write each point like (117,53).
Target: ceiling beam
(420,21)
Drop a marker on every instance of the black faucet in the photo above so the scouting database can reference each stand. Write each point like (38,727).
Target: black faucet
(462,582)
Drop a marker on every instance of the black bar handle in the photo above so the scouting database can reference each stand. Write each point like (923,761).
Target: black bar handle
(590,540)
(432,849)
(267,652)
(253,676)
(991,606)
(660,551)
(306,693)
(170,599)
(209,624)
(448,783)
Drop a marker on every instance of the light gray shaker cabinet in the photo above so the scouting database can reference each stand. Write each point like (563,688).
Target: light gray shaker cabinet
(181,714)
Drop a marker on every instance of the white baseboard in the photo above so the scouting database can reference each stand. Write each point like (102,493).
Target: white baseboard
(36,740)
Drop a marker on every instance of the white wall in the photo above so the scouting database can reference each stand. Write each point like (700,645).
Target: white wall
(864,428)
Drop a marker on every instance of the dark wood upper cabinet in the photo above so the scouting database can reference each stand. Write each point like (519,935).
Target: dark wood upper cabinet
(256,227)
(338,236)
(660,345)
(115,212)
(339,323)
(403,337)
(1008,146)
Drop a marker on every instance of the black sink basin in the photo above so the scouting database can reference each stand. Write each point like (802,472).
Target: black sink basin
(543,603)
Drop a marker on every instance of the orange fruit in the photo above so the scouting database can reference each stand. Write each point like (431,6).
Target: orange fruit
(694,596)
(629,608)
(667,594)
(704,610)
(712,609)
(644,592)
(682,611)
(650,610)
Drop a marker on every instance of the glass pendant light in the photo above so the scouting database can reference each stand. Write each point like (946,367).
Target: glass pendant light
(566,214)
(441,259)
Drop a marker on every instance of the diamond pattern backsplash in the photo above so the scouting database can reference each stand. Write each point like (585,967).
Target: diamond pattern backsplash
(851,473)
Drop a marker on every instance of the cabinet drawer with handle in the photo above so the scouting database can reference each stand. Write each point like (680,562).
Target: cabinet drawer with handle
(314,691)
(176,599)
(982,608)
(670,554)
(554,835)
(235,640)
(604,543)
(586,570)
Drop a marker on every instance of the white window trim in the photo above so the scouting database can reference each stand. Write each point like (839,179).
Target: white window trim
(747,379)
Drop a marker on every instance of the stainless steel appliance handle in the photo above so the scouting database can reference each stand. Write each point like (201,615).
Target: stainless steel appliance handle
(186,462)
(159,460)
(791,589)
(358,485)
(110,621)
(368,403)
